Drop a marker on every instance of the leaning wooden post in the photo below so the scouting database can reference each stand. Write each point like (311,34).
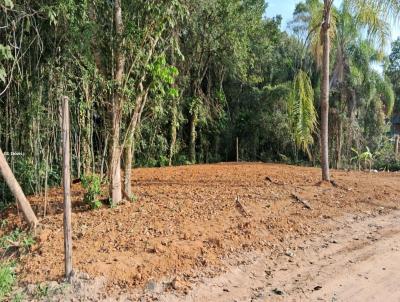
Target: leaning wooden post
(67,190)
(396,145)
(16,190)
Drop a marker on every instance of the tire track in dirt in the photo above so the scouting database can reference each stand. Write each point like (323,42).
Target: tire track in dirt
(358,262)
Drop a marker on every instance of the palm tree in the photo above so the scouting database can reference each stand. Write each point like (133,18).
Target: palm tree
(326,24)
(372,13)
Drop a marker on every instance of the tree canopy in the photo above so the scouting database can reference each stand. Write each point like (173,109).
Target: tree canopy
(155,83)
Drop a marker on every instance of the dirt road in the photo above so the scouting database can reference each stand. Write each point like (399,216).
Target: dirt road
(360,261)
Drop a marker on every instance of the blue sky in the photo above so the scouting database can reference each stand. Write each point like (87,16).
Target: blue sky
(285,8)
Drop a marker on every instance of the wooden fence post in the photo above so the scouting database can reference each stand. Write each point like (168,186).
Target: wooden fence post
(67,189)
(396,145)
(16,190)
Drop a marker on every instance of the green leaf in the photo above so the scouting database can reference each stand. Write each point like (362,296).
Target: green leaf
(5,52)
(8,3)
(3,74)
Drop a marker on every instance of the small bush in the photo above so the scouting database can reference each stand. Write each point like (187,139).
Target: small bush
(7,279)
(163,161)
(385,158)
(92,185)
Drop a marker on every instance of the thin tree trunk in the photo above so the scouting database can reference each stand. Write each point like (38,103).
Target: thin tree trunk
(85,130)
(16,190)
(134,121)
(115,166)
(103,161)
(325,92)
(237,149)
(192,143)
(173,131)
(128,154)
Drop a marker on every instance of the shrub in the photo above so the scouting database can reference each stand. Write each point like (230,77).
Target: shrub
(92,184)
(17,239)
(385,158)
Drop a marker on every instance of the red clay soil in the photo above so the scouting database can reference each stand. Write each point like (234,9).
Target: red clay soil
(188,218)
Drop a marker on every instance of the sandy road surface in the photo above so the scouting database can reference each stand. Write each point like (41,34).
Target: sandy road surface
(360,261)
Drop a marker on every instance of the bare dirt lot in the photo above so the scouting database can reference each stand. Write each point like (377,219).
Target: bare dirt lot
(230,232)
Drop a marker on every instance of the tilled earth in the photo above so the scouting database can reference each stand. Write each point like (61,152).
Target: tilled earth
(187,220)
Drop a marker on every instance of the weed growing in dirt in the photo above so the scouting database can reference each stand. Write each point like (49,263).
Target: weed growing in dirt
(133,198)
(17,239)
(92,184)
(18,297)
(42,291)
(7,278)
(3,223)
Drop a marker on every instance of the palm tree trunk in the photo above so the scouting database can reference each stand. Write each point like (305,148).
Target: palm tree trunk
(325,93)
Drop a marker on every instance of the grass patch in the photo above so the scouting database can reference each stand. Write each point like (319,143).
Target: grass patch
(7,278)
(17,239)
(11,246)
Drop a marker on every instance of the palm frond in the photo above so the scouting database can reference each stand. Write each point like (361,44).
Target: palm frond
(302,113)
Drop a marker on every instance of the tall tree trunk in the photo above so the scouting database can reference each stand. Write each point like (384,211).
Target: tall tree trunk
(86,126)
(128,156)
(325,92)
(192,142)
(174,122)
(115,166)
(133,123)
(339,143)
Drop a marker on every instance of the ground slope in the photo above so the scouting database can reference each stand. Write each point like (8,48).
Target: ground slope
(187,220)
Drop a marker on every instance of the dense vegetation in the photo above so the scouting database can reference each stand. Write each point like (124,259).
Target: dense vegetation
(155,83)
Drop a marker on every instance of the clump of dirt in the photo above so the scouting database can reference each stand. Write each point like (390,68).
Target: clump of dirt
(187,219)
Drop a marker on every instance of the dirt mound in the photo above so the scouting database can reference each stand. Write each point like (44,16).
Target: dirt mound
(187,219)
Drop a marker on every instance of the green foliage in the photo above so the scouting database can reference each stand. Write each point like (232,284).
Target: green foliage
(209,72)
(385,158)
(7,278)
(5,54)
(393,72)
(365,158)
(92,184)
(302,113)
(18,297)
(133,198)
(42,291)
(17,239)
(7,3)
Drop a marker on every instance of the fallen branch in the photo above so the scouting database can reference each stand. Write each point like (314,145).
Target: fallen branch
(241,207)
(301,200)
(273,181)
